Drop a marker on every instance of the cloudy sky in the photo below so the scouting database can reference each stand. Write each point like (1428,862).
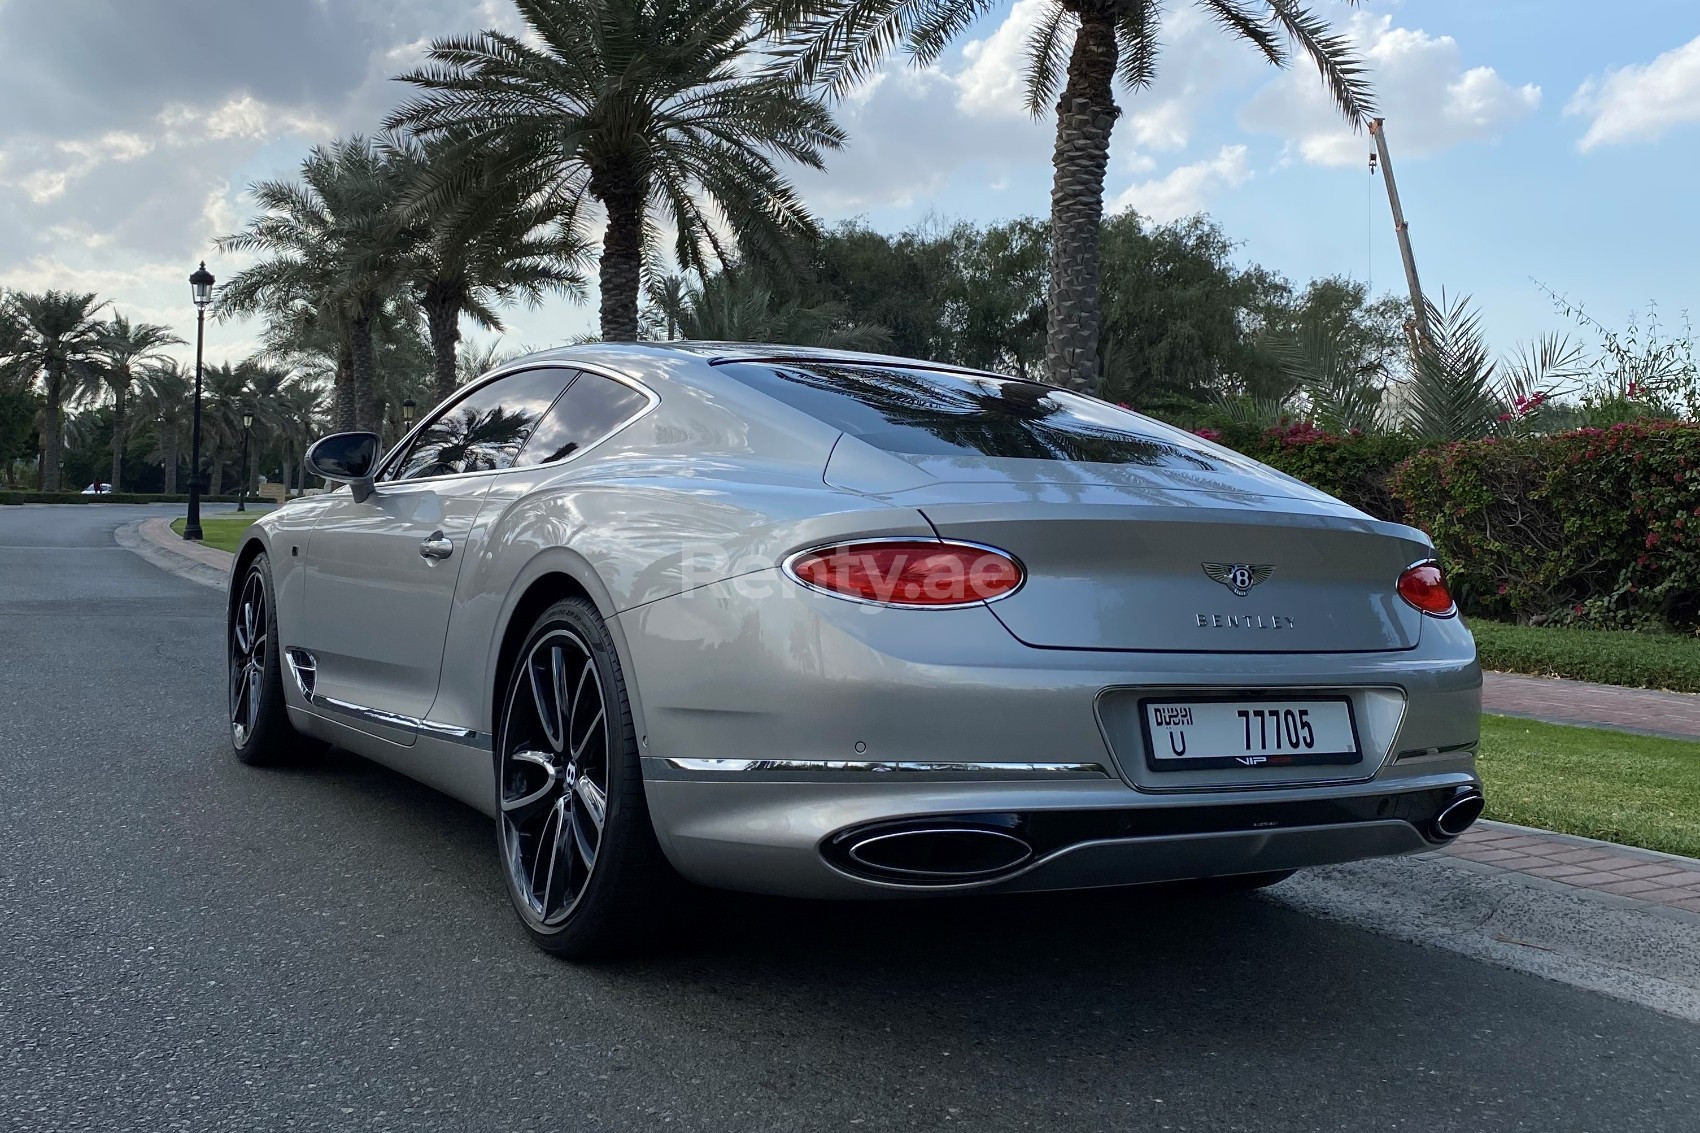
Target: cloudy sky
(1535,140)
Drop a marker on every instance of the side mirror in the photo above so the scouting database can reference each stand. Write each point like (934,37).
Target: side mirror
(346,458)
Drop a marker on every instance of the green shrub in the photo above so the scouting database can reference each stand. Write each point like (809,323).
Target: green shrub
(1592,527)
(32,497)
(1355,467)
(1634,660)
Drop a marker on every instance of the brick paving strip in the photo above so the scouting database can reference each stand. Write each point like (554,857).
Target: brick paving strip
(1672,714)
(1643,877)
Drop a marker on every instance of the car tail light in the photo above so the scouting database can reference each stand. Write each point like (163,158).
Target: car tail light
(908,572)
(1424,586)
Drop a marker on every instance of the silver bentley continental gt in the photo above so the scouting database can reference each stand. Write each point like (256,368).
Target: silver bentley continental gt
(838,625)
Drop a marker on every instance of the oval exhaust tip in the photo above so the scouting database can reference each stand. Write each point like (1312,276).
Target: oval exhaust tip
(940,853)
(1460,814)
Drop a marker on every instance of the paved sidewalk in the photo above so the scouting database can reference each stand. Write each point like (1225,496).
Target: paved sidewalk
(1583,863)
(1673,714)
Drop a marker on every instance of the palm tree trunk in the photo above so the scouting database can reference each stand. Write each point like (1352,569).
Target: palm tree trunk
(1086,113)
(622,253)
(217,478)
(171,468)
(120,396)
(342,391)
(52,430)
(442,318)
(363,365)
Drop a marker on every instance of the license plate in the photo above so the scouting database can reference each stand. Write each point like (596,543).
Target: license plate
(1206,732)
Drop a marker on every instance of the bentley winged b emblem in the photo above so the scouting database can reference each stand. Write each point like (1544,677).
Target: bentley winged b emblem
(1238,577)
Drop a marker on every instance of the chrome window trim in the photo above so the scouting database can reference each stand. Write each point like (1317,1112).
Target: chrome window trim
(882,767)
(788,568)
(652,399)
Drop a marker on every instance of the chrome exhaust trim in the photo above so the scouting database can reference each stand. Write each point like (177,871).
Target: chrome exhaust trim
(1459,814)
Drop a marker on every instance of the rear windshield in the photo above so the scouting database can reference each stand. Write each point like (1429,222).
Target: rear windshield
(929,413)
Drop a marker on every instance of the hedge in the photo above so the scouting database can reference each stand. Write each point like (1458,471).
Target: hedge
(1593,527)
(1590,528)
(1355,467)
(1634,660)
(13,498)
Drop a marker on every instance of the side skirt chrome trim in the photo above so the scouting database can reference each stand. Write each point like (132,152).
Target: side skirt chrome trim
(740,766)
(303,668)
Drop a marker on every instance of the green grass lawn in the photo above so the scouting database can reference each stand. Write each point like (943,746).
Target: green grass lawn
(221,531)
(1637,790)
(1638,660)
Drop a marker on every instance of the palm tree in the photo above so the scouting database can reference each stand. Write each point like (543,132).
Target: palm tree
(484,239)
(296,413)
(59,329)
(333,256)
(474,362)
(1453,392)
(1082,47)
(120,347)
(163,409)
(736,306)
(658,109)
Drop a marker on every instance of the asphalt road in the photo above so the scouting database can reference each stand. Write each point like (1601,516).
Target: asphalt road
(189,944)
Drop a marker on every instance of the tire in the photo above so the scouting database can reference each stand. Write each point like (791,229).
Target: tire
(260,730)
(578,852)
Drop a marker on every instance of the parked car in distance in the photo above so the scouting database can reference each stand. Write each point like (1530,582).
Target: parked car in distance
(823,624)
(97,489)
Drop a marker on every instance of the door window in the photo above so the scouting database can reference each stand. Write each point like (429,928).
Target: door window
(592,407)
(485,430)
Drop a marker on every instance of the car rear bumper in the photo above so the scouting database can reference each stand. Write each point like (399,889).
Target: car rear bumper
(793,837)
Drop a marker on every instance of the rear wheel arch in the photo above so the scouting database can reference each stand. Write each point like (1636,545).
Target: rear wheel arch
(551,578)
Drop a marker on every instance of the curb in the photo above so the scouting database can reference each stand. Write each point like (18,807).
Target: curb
(1590,843)
(154,541)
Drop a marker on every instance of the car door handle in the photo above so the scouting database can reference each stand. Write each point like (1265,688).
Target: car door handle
(438,546)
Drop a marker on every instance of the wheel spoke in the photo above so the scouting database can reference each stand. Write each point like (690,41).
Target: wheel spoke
(253,697)
(594,801)
(546,695)
(238,694)
(552,845)
(589,732)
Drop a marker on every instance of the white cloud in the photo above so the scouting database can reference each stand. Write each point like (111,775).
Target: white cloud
(1640,102)
(242,117)
(1165,126)
(993,84)
(1431,101)
(1185,190)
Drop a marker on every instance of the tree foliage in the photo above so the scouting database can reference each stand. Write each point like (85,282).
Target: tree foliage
(657,109)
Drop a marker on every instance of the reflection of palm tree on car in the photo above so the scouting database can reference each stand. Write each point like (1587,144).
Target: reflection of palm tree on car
(993,416)
(470,441)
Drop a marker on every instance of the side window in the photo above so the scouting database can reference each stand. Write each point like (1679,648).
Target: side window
(591,408)
(486,429)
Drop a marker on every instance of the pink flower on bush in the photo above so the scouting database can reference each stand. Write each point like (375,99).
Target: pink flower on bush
(1208,433)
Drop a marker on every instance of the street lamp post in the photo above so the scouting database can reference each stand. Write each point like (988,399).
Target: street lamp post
(247,428)
(408,408)
(201,283)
